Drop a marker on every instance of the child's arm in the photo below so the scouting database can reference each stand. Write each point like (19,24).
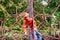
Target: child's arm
(35,27)
(24,27)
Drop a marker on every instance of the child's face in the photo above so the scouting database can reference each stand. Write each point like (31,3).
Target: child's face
(26,15)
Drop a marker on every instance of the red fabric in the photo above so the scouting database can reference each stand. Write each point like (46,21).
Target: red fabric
(28,22)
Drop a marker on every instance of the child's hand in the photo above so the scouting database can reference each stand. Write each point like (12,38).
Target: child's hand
(35,28)
(25,32)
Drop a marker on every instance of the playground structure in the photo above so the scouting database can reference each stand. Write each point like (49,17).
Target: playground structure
(40,23)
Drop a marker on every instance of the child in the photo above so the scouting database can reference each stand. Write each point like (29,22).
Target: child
(32,25)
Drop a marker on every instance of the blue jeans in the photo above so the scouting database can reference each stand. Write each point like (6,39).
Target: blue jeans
(37,35)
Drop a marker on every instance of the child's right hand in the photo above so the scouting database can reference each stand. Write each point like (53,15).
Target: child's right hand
(25,32)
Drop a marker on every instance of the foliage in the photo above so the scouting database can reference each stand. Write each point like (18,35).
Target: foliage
(9,7)
(16,28)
